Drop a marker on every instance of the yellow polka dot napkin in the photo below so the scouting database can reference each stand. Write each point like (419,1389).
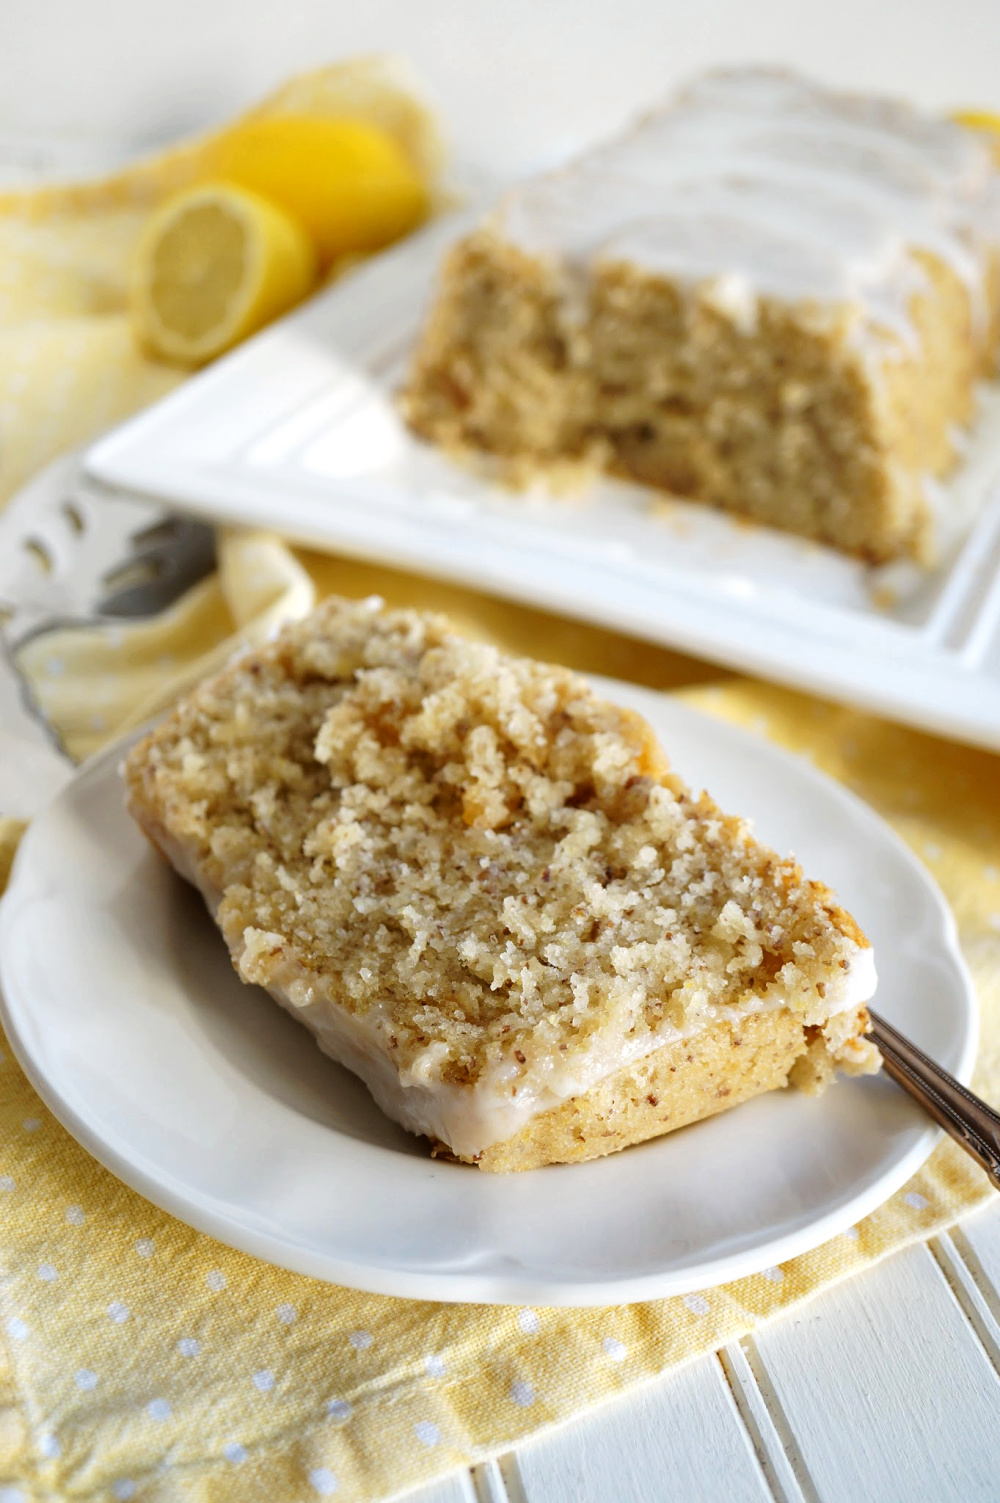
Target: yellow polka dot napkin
(140,1359)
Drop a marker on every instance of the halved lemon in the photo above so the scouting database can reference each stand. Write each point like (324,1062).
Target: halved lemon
(215,264)
(348,183)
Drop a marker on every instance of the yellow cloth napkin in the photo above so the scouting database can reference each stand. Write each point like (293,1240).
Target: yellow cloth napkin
(68,364)
(141,1359)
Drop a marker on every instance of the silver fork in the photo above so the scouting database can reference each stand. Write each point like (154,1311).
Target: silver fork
(963,1115)
(74,556)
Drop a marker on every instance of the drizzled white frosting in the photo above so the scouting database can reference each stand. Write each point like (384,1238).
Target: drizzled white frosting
(470,1118)
(767,185)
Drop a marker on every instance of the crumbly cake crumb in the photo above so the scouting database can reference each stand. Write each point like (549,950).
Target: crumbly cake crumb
(476,856)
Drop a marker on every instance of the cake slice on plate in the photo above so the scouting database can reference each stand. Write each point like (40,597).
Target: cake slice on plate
(482,888)
(767,296)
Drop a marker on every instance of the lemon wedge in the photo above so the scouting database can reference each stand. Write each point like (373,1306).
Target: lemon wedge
(349,183)
(214,264)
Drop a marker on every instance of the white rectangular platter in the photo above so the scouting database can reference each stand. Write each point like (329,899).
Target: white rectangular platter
(298,431)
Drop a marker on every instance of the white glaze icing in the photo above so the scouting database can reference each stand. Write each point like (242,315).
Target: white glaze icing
(501,1102)
(782,189)
(473,1117)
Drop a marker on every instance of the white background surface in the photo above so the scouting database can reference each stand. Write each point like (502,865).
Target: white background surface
(884,1390)
(518,80)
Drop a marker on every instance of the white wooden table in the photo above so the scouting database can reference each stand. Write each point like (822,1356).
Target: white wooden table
(885,1389)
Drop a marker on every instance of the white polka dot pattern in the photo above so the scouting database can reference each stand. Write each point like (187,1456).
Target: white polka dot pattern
(158,1409)
(287,1313)
(360,1340)
(118,1312)
(189,1346)
(216,1280)
(234,1452)
(263,1380)
(696,1303)
(85,1378)
(529,1322)
(615,1349)
(322,1481)
(427,1433)
(522,1394)
(338,1409)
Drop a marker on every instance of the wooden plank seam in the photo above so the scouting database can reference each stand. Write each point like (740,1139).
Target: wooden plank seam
(489,1483)
(963,1284)
(766,1423)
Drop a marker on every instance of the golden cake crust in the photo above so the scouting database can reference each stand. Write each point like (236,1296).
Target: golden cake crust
(470,876)
(682,1083)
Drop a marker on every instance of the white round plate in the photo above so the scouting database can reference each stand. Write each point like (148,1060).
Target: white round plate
(122,1006)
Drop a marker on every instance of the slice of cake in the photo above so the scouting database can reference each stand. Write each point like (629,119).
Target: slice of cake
(769,297)
(483,890)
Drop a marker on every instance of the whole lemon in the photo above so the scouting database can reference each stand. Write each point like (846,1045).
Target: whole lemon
(348,183)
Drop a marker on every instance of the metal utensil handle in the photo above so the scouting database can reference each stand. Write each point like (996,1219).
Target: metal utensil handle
(974,1125)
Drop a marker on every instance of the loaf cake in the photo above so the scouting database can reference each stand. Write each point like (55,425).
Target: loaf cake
(766,296)
(484,891)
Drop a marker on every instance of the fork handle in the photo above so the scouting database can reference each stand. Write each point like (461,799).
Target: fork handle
(974,1125)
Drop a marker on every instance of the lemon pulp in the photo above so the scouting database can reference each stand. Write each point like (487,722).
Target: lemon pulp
(215,264)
